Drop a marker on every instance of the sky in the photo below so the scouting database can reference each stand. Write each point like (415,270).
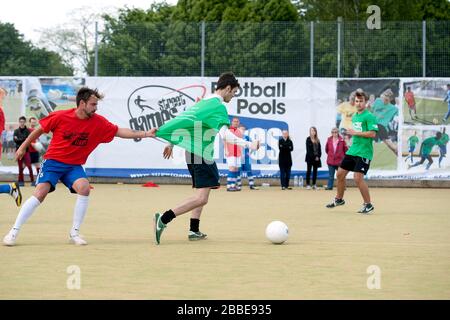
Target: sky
(30,15)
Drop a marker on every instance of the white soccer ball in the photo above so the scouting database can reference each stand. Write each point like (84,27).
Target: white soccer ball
(38,147)
(277,232)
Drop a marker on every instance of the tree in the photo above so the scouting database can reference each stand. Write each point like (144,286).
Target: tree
(74,40)
(19,57)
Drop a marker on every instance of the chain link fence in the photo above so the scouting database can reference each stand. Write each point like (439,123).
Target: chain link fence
(274,49)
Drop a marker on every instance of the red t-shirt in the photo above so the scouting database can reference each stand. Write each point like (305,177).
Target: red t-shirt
(233,150)
(73,138)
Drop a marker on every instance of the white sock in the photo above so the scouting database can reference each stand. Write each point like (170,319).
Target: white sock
(25,212)
(79,213)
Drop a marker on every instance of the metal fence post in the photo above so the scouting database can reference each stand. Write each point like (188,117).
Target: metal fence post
(339,23)
(202,71)
(424,48)
(311,50)
(96,50)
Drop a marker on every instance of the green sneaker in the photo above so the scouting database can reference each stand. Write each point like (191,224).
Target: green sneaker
(194,236)
(158,227)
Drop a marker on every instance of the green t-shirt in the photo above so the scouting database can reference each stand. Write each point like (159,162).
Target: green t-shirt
(444,139)
(412,141)
(428,144)
(384,112)
(361,146)
(195,129)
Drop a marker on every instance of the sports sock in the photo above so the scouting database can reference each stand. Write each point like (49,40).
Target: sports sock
(168,216)
(78,213)
(26,211)
(194,225)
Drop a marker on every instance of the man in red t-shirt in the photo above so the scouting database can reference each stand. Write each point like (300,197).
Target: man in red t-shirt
(76,133)
(411,101)
(233,154)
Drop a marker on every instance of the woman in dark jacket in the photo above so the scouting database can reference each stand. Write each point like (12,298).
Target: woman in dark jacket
(285,159)
(313,154)
(335,149)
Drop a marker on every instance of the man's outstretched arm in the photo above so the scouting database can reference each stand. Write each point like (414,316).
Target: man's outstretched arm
(127,133)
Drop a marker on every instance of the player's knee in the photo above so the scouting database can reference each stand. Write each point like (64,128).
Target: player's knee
(83,189)
(202,200)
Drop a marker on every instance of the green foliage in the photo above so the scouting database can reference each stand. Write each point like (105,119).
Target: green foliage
(19,57)
(271,38)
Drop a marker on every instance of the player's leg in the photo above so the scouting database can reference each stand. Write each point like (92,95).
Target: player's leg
(418,163)
(447,115)
(238,173)
(442,153)
(198,200)
(27,211)
(347,164)
(82,188)
(430,162)
(194,228)
(205,176)
(364,189)
(13,190)
(76,181)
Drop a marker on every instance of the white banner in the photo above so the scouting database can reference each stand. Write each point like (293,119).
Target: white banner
(415,107)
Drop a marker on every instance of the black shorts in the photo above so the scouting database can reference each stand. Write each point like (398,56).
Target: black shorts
(382,133)
(355,164)
(34,157)
(204,174)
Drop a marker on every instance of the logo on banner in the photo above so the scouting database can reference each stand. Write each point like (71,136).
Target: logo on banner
(267,98)
(153,105)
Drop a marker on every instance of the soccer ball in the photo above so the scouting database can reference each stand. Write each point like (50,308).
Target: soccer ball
(38,147)
(435,121)
(277,232)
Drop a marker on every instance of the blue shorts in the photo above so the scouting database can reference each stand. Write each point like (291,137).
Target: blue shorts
(412,148)
(52,171)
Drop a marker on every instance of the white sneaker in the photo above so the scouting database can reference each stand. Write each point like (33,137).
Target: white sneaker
(77,240)
(314,187)
(10,239)
(308,187)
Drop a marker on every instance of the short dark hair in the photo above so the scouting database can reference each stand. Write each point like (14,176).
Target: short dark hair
(438,135)
(85,93)
(31,118)
(23,118)
(227,79)
(361,94)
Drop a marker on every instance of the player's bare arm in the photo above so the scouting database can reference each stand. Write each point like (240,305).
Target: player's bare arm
(127,133)
(366,134)
(31,138)
(230,137)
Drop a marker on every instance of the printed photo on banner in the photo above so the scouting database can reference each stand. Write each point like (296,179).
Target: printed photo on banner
(45,95)
(426,102)
(11,105)
(424,149)
(383,101)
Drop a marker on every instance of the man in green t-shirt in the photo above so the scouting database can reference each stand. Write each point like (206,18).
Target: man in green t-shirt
(358,157)
(425,150)
(443,146)
(412,142)
(195,130)
(385,112)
